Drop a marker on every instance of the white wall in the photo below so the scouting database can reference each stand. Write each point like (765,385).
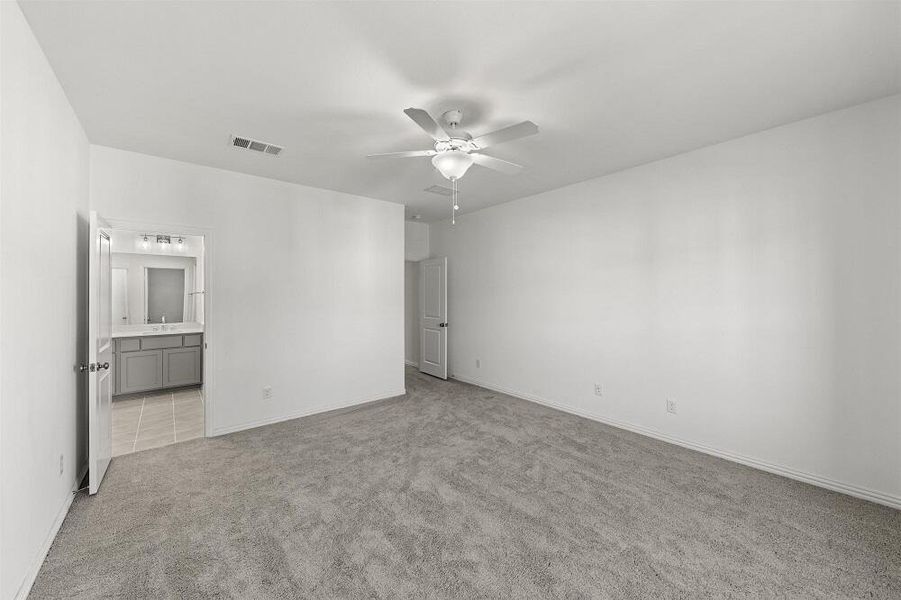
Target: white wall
(416,241)
(305,288)
(416,248)
(411,312)
(756,282)
(43,203)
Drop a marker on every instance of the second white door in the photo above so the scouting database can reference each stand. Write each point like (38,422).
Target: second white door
(433,317)
(100,354)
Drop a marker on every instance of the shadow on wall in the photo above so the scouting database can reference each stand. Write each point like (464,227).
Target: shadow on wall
(82,236)
(411,313)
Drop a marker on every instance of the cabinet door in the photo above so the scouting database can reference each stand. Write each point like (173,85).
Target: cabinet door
(140,371)
(181,366)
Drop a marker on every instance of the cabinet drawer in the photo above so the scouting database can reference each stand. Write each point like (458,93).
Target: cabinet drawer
(129,344)
(161,341)
(193,339)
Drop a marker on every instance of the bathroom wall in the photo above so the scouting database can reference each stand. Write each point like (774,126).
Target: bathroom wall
(133,242)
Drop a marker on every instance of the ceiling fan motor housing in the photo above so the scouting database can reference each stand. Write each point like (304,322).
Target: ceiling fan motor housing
(453,117)
(462,144)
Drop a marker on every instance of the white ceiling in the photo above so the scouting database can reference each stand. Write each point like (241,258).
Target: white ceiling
(611,85)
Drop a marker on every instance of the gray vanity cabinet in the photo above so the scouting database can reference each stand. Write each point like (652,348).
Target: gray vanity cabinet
(139,371)
(158,362)
(181,366)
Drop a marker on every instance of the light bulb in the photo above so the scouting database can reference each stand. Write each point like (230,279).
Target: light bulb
(181,244)
(146,243)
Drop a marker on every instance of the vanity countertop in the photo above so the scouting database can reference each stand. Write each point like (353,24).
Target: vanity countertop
(128,331)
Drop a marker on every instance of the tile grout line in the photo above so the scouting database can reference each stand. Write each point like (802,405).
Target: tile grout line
(138,429)
(174,430)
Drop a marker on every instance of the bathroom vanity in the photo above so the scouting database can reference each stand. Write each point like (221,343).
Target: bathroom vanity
(157,358)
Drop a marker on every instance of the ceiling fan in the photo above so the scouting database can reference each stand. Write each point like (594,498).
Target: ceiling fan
(456,150)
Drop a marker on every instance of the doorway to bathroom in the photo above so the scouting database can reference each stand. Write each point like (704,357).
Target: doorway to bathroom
(159,332)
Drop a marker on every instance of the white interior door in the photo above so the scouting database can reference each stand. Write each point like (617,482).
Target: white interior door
(100,354)
(433,317)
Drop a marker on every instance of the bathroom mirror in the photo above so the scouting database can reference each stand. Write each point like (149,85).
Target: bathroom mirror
(165,295)
(146,289)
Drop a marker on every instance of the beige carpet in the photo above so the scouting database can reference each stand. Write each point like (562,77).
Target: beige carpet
(457,492)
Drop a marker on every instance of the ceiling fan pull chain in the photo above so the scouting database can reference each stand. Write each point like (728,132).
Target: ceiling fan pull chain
(454,206)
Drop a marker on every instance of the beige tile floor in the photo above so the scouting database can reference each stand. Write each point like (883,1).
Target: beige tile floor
(141,422)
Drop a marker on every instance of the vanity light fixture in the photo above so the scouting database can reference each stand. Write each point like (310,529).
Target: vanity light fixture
(163,240)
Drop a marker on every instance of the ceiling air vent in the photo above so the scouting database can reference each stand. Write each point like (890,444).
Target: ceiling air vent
(440,190)
(256,145)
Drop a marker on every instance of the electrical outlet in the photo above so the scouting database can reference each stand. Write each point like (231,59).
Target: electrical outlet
(478,364)
(267,392)
(671,406)
(60,465)
(597,389)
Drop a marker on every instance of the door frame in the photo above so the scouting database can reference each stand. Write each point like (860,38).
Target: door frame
(209,350)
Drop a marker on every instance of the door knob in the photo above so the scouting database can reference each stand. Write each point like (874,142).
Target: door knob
(442,324)
(92,367)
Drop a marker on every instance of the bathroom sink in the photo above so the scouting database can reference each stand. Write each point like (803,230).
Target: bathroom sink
(160,330)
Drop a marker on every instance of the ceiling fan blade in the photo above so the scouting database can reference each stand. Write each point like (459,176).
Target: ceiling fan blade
(495,163)
(506,134)
(428,124)
(408,154)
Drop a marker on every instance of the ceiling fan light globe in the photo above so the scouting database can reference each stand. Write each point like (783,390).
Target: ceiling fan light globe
(453,164)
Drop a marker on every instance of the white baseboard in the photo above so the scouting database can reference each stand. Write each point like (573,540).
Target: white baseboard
(817,480)
(306,413)
(411,363)
(38,561)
